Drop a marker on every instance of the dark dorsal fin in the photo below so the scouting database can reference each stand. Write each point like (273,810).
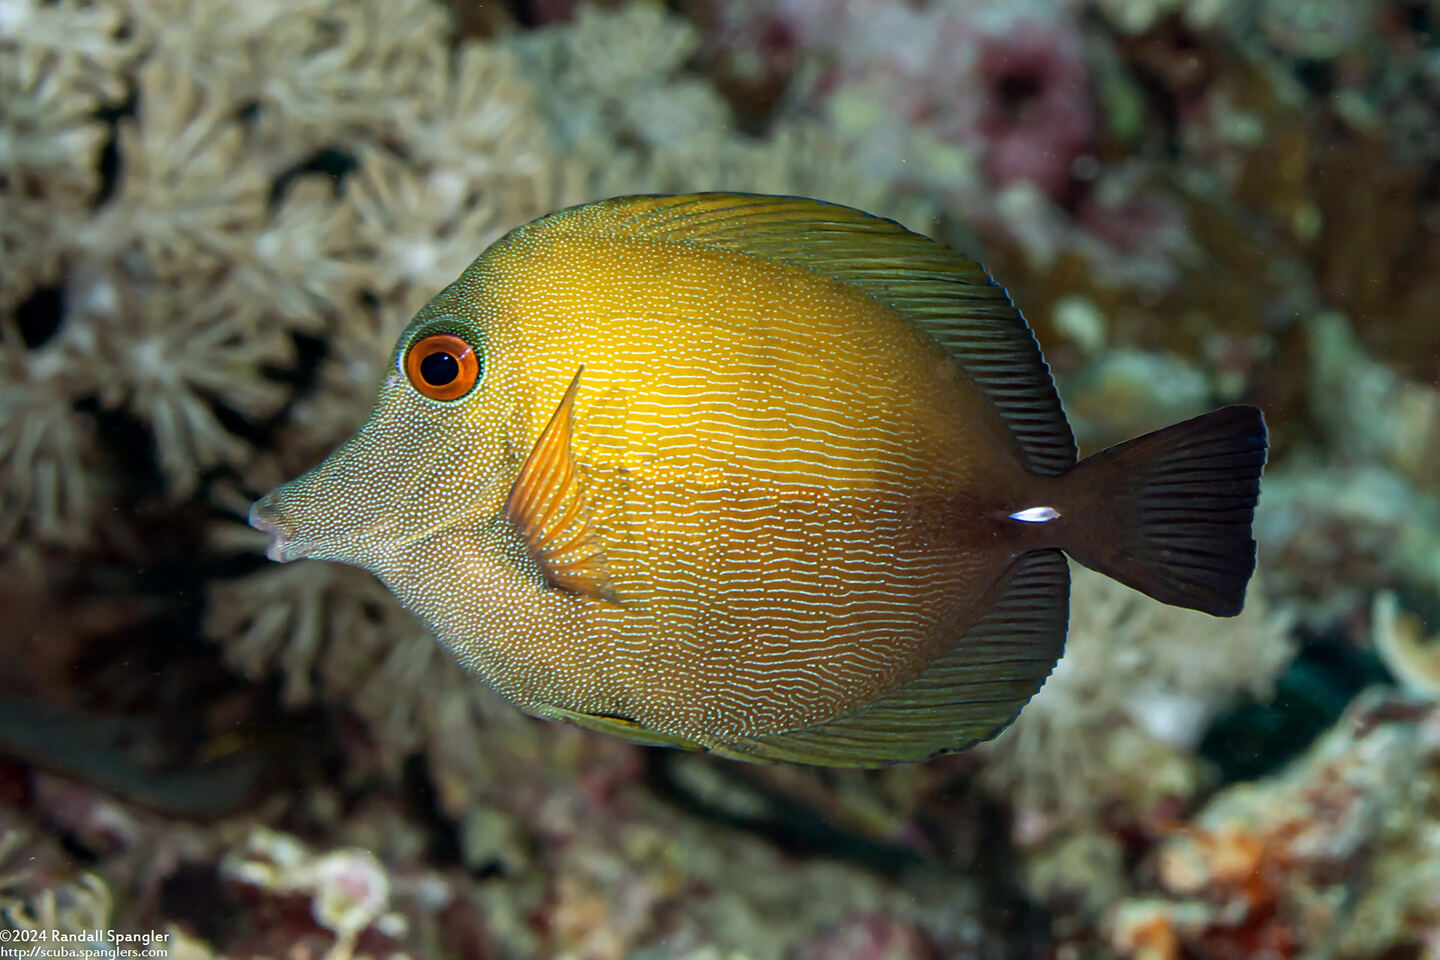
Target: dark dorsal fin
(949,296)
(969,693)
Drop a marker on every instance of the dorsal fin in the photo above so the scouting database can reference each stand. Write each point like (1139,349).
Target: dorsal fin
(969,693)
(944,293)
(548,508)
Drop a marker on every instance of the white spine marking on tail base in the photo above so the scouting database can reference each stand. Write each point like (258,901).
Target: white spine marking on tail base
(1035,514)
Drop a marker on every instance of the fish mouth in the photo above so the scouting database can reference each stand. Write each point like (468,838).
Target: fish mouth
(290,540)
(283,547)
(366,534)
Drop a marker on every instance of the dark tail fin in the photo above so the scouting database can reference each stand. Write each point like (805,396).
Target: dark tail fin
(1169,513)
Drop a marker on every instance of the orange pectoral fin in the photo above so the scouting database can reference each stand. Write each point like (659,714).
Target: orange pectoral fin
(548,508)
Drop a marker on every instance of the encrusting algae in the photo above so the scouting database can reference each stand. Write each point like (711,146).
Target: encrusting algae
(761,475)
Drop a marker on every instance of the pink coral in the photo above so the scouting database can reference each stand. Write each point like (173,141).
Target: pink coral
(992,107)
(1037,116)
(1007,83)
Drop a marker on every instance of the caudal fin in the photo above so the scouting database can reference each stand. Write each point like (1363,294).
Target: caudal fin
(1169,513)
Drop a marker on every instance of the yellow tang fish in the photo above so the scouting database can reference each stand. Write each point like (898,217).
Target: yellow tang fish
(761,475)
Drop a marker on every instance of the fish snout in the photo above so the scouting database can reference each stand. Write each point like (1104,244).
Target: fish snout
(265,517)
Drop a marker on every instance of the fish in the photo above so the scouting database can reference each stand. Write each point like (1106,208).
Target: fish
(765,476)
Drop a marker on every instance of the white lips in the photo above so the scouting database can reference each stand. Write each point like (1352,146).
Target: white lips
(281,549)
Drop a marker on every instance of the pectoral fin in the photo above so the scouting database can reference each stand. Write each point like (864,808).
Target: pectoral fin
(622,728)
(548,508)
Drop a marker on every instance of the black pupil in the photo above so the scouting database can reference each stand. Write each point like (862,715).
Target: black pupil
(439,368)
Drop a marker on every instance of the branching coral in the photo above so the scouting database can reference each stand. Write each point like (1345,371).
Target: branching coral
(181,288)
(305,264)
(179,359)
(473,118)
(83,906)
(73,910)
(596,92)
(316,73)
(425,226)
(334,633)
(59,64)
(190,184)
(47,447)
(618,99)
(213,244)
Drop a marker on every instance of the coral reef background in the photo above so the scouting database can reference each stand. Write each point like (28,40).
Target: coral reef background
(215,215)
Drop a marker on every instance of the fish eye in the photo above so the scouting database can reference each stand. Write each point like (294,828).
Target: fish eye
(442,366)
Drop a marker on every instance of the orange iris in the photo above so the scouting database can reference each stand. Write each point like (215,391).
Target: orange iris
(442,366)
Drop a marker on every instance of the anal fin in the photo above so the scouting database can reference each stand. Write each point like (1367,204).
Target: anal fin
(548,508)
(969,693)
